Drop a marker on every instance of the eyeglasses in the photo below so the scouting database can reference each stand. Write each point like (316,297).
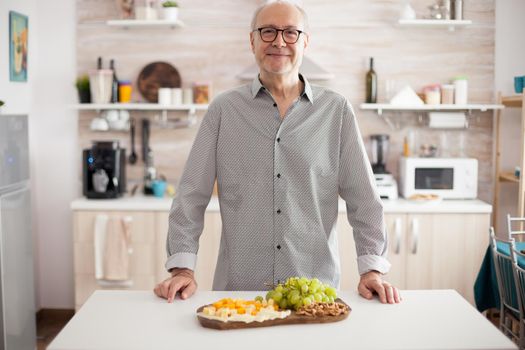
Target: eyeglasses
(269,34)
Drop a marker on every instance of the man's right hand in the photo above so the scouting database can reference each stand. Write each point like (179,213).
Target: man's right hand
(181,280)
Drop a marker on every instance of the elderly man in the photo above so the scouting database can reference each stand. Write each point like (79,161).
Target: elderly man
(282,152)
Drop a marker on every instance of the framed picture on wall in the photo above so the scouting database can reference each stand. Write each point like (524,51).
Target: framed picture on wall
(18,40)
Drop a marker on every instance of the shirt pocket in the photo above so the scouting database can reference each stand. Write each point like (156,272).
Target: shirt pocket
(325,181)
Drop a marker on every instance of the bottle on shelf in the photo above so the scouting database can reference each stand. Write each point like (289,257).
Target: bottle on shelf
(371,84)
(114,83)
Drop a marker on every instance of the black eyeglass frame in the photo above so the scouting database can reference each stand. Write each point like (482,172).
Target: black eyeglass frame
(277,33)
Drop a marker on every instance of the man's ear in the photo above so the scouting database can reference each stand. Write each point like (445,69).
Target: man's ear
(306,40)
(252,45)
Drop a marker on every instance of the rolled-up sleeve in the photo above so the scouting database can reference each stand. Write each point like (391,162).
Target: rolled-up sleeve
(363,205)
(186,218)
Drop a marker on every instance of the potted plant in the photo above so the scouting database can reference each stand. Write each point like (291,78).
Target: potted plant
(170,10)
(84,93)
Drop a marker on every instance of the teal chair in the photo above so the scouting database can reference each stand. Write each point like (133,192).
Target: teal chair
(518,261)
(510,304)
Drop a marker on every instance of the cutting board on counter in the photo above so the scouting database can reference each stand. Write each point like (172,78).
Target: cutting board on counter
(294,318)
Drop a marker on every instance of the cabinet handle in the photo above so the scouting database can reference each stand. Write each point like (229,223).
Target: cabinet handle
(397,232)
(415,235)
(126,222)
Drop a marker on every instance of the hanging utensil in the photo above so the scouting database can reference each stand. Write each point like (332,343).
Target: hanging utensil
(133,156)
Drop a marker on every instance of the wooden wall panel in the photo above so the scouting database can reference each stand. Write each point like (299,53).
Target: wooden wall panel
(214,47)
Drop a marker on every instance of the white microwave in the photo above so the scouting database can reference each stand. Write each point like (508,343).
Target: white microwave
(449,178)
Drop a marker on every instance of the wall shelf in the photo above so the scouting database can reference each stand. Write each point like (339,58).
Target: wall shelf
(133,23)
(192,108)
(451,24)
(512,101)
(508,176)
(380,107)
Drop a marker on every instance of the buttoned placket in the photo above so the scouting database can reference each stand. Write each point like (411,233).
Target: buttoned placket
(279,191)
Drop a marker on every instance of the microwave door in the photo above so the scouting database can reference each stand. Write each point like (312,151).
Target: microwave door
(434,179)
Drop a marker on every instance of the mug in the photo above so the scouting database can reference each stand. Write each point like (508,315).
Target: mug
(159,187)
(176,96)
(164,96)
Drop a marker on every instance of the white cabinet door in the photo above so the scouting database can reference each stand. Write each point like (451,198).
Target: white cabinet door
(142,261)
(445,251)
(208,248)
(397,248)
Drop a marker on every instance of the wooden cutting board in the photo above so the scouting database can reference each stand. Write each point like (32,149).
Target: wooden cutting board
(294,318)
(157,75)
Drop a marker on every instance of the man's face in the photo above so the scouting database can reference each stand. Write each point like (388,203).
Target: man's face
(279,57)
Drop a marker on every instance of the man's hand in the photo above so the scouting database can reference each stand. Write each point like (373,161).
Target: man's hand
(181,280)
(371,282)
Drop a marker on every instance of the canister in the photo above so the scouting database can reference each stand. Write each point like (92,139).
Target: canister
(460,90)
(447,94)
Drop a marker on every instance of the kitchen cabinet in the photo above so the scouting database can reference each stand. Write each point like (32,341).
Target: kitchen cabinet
(142,261)
(427,251)
(440,251)
(208,248)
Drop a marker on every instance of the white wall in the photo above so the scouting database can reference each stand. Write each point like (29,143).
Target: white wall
(509,62)
(17,95)
(52,134)
(55,153)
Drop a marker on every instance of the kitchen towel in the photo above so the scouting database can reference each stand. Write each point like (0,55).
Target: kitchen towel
(112,244)
(447,120)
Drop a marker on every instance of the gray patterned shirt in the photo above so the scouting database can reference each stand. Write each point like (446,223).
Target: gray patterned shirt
(278,183)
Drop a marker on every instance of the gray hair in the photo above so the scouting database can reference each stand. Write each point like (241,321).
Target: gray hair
(289,2)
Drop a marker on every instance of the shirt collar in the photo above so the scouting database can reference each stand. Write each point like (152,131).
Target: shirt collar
(257,86)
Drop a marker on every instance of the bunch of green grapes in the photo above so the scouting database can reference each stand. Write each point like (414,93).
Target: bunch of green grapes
(297,292)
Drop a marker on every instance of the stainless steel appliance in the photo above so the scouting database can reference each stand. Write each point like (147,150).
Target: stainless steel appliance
(385,182)
(104,170)
(448,178)
(17,298)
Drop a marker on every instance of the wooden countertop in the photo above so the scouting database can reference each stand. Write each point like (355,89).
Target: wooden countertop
(150,203)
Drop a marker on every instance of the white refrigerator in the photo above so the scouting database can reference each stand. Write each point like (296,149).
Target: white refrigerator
(17,292)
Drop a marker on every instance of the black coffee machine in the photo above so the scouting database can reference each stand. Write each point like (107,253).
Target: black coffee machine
(104,170)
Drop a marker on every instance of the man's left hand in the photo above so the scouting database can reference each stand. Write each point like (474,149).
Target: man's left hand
(371,282)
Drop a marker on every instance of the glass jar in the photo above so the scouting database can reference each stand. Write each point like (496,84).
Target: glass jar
(124,91)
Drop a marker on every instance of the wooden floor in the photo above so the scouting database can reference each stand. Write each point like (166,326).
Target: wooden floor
(49,322)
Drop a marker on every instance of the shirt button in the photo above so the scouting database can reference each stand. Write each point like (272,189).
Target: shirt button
(278,211)
(278,246)
(278,175)
(275,104)
(278,139)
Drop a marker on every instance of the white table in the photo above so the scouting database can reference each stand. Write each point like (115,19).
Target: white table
(426,319)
